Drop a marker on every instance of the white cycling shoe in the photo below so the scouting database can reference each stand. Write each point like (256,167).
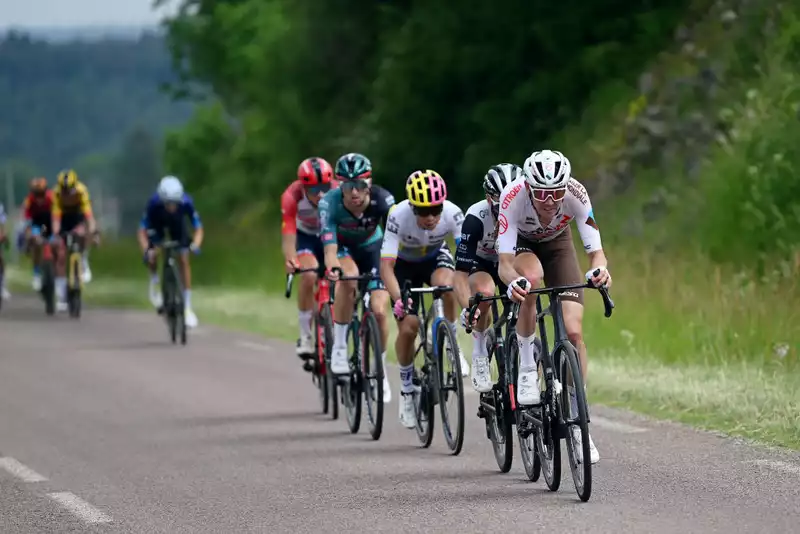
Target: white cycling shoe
(481,379)
(528,392)
(340,364)
(408,414)
(594,456)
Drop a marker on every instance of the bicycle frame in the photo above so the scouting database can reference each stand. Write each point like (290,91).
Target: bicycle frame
(323,294)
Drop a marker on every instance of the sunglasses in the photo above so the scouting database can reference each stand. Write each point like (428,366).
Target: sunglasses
(358,185)
(541,195)
(317,189)
(428,211)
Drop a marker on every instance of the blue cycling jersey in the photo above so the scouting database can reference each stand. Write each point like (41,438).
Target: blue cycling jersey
(156,216)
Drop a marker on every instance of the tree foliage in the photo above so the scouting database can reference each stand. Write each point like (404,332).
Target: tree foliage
(453,86)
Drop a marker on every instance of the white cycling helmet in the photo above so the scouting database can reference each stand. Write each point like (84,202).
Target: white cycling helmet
(547,169)
(170,189)
(499,176)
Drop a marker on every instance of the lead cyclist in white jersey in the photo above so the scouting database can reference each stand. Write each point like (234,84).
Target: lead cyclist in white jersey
(414,250)
(534,243)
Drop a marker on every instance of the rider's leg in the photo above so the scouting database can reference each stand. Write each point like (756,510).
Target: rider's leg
(443,276)
(342,312)
(407,329)
(305,302)
(378,303)
(481,282)
(528,265)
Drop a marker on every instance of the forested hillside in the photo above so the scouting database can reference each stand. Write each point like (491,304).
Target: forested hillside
(62,102)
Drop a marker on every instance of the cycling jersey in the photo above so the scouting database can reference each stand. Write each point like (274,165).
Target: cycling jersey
(518,217)
(478,237)
(404,238)
(37,211)
(156,220)
(341,227)
(298,213)
(72,202)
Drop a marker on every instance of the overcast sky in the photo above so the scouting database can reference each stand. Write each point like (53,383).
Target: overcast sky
(79,12)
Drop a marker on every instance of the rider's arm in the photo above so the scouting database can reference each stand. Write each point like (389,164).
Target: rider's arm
(194,218)
(389,249)
(289,224)
(510,200)
(327,221)
(86,209)
(579,203)
(456,220)
(466,256)
(144,225)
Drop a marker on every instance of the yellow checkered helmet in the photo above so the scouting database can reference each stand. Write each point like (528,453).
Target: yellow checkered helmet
(425,189)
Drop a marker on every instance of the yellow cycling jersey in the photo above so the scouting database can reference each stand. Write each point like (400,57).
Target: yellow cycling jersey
(72,202)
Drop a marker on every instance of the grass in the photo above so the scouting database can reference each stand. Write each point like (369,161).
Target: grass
(688,341)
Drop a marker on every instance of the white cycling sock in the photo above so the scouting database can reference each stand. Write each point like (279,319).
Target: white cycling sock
(479,343)
(407,378)
(154,279)
(187,298)
(340,334)
(527,351)
(304,318)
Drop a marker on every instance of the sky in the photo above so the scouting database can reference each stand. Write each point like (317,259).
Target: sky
(65,13)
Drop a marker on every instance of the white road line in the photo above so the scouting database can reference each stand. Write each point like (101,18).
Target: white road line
(253,346)
(616,426)
(80,508)
(20,471)
(779,466)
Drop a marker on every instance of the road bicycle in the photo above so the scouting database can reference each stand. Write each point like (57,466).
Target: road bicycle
(366,362)
(437,383)
(562,412)
(172,293)
(322,321)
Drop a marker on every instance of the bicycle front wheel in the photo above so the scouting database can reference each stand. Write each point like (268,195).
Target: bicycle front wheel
(324,333)
(576,417)
(373,373)
(351,389)
(451,387)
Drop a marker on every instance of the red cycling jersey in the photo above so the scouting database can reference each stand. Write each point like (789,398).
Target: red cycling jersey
(38,208)
(298,212)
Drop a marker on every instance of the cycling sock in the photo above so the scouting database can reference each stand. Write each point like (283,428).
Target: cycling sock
(304,318)
(407,378)
(527,349)
(61,287)
(36,270)
(340,334)
(187,298)
(154,279)
(479,343)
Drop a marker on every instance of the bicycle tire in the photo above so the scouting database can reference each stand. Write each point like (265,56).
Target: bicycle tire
(569,363)
(168,296)
(371,346)
(501,422)
(75,282)
(351,389)
(455,442)
(333,384)
(423,403)
(48,286)
(324,333)
(180,306)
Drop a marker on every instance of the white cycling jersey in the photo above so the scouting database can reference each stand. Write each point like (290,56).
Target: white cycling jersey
(518,217)
(404,238)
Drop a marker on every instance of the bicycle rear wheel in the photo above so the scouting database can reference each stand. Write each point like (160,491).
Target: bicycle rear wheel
(324,334)
(500,422)
(74,285)
(48,286)
(576,416)
(373,373)
(426,380)
(451,387)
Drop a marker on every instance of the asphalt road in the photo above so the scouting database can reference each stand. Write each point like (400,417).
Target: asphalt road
(106,427)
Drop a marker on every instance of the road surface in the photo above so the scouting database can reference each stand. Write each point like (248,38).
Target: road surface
(105,427)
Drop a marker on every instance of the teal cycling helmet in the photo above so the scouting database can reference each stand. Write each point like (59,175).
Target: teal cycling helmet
(353,167)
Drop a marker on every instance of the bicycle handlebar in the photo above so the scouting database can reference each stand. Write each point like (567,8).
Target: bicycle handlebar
(360,277)
(474,301)
(407,290)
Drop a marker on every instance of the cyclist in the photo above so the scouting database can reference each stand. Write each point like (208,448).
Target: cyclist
(71,213)
(167,211)
(3,237)
(535,212)
(300,242)
(414,250)
(350,217)
(37,215)
(476,265)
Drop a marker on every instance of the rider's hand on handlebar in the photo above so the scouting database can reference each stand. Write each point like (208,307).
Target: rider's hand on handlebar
(602,279)
(399,310)
(334,271)
(291,265)
(465,318)
(518,289)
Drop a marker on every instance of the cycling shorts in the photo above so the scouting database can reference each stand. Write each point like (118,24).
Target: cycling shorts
(419,273)
(559,262)
(309,244)
(367,259)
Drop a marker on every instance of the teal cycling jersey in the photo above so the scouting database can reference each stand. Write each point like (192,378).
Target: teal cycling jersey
(340,227)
